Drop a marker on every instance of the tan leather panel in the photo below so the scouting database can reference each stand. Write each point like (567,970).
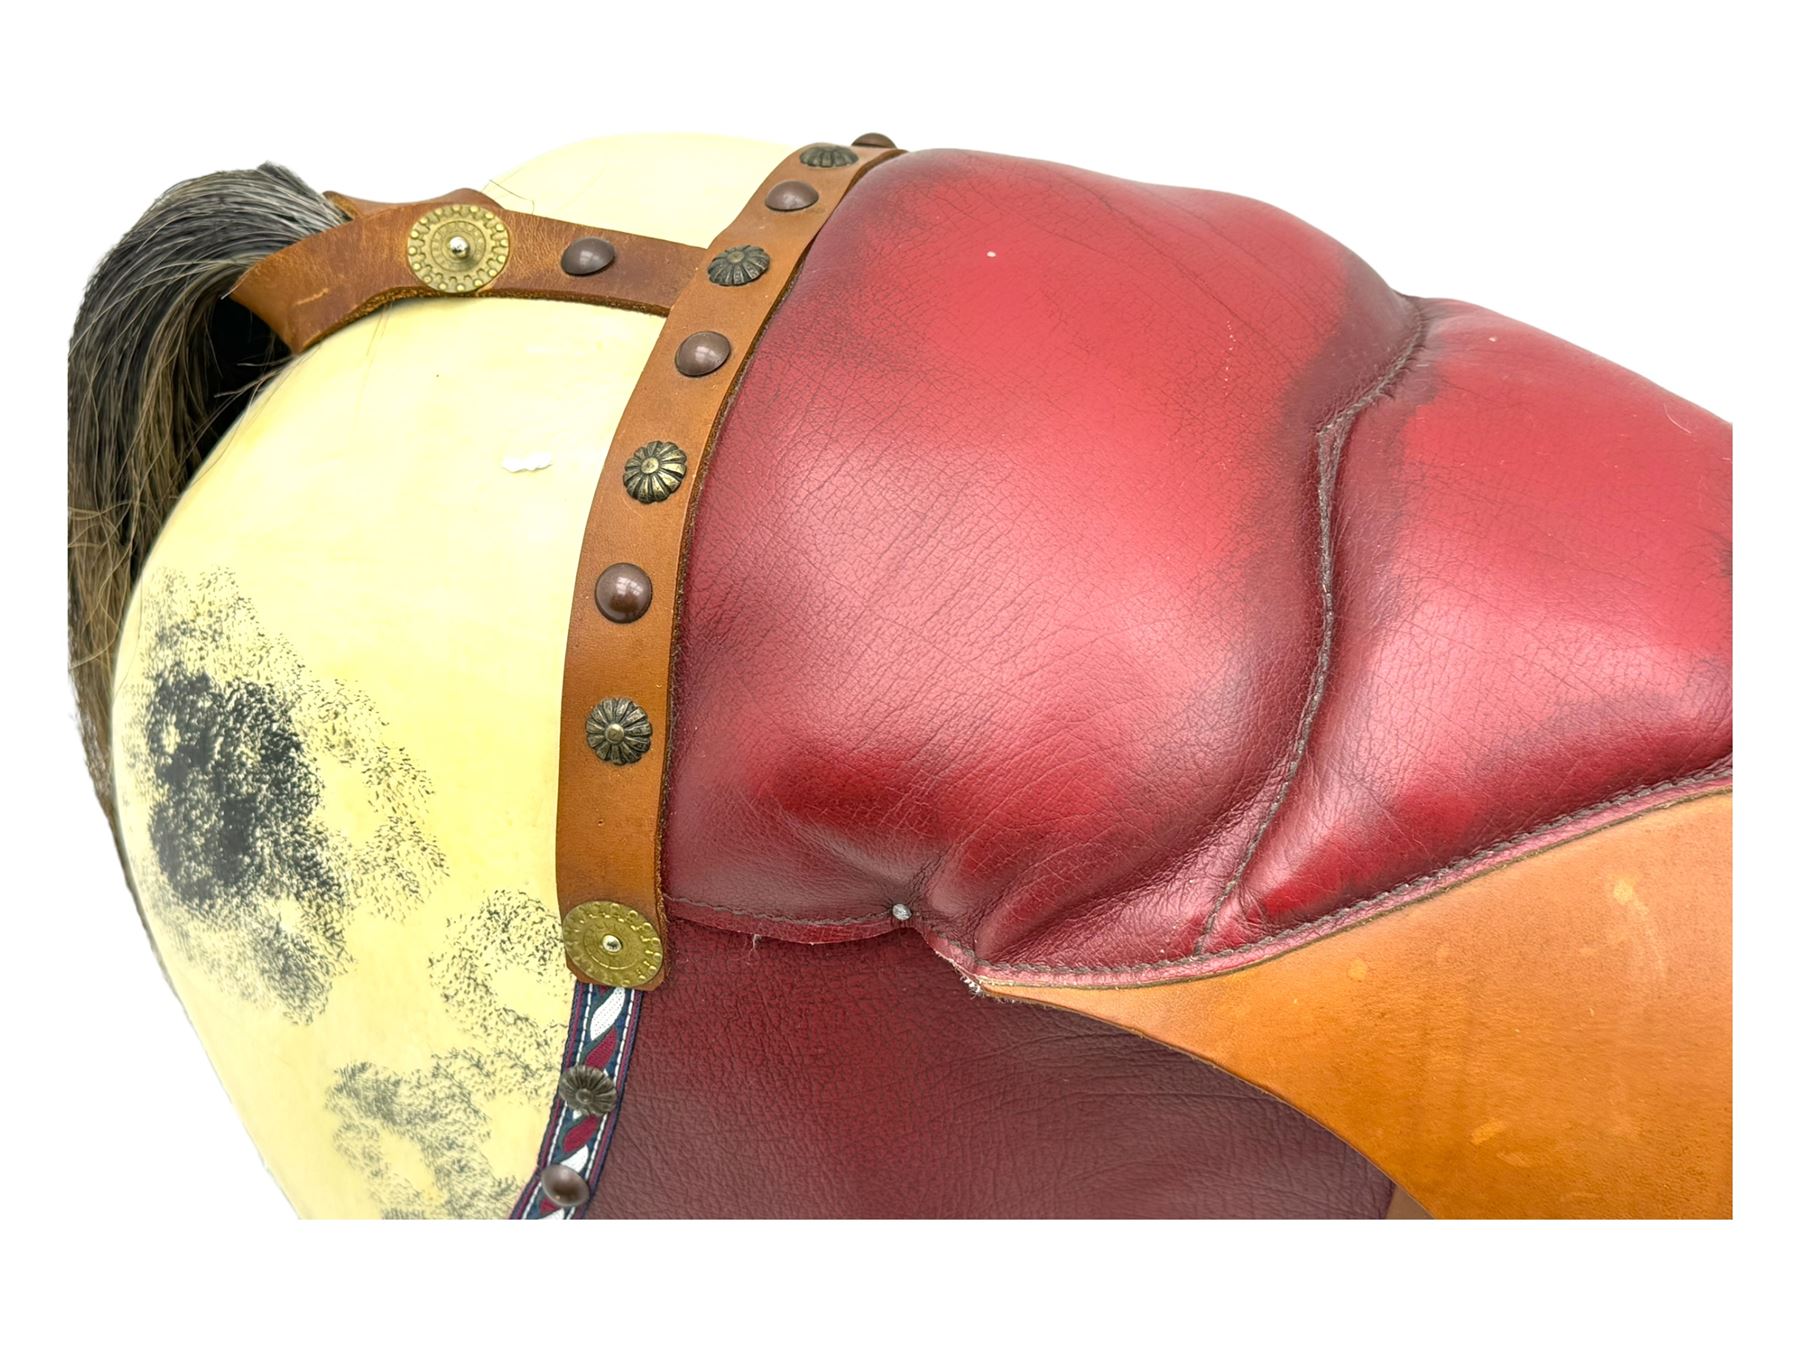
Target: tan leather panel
(609,817)
(1550,1039)
(313,288)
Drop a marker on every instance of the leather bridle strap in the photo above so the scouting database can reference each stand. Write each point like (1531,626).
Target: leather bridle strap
(617,689)
(463,244)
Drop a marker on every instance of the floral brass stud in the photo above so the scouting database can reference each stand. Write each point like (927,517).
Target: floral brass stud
(618,731)
(737,266)
(827,156)
(655,470)
(588,1090)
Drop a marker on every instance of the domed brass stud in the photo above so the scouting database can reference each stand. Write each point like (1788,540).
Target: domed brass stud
(588,1090)
(612,944)
(587,256)
(458,249)
(791,195)
(563,1186)
(655,470)
(875,140)
(828,156)
(737,266)
(623,592)
(702,353)
(618,731)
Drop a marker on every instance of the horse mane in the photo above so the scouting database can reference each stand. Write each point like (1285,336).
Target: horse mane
(158,370)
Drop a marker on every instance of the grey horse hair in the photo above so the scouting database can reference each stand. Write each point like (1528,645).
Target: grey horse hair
(158,370)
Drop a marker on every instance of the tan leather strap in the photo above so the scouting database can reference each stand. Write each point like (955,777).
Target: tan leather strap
(616,726)
(311,289)
(355,207)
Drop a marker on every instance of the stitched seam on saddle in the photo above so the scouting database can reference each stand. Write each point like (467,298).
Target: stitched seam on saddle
(781,918)
(1717,774)
(1330,440)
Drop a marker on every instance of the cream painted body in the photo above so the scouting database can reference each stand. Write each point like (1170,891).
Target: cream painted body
(383,546)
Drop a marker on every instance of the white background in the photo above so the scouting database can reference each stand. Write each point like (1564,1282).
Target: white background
(1621,176)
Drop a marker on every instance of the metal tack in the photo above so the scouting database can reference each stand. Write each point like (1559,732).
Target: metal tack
(702,353)
(791,195)
(587,256)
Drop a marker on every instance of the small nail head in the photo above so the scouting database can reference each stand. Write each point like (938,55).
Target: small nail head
(901,913)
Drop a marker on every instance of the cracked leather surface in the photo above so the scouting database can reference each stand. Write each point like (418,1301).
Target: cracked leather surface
(1107,572)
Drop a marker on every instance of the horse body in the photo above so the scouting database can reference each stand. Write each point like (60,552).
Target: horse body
(1106,587)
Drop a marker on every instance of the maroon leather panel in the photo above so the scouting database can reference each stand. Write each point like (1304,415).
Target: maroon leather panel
(1534,613)
(998,594)
(1005,599)
(776,1080)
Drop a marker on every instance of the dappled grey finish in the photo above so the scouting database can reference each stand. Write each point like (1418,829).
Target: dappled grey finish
(440,1109)
(236,748)
(158,369)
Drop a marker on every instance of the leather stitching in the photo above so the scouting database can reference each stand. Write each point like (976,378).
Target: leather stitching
(782,918)
(1716,774)
(1331,438)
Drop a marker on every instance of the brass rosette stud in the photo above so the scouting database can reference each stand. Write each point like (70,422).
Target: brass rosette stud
(588,1090)
(654,471)
(458,249)
(738,266)
(612,944)
(618,731)
(828,156)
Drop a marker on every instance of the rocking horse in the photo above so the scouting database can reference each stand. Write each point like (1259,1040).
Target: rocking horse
(700,679)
